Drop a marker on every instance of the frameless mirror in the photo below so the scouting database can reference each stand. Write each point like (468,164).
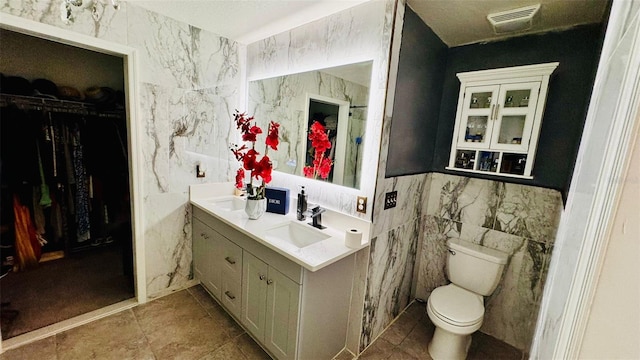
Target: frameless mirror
(337,97)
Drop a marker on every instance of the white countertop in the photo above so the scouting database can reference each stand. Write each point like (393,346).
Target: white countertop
(312,257)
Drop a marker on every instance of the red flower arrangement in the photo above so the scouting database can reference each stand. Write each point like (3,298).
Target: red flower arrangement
(260,168)
(320,144)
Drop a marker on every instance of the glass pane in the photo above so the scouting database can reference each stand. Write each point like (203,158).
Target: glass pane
(465,159)
(476,128)
(480,100)
(513,163)
(488,161)
(511,129)
(517,98)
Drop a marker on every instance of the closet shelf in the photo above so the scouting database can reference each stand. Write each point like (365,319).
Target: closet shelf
(56,105)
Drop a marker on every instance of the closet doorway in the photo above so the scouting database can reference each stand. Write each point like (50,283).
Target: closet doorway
(68,236)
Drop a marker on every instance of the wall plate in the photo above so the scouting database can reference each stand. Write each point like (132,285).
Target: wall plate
(390,199)
(361,204)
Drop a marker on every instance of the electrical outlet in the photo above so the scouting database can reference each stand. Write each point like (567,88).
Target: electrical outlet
(200,171)
(361,205)
(390,200)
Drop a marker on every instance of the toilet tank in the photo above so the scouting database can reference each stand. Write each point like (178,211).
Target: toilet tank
(474,267)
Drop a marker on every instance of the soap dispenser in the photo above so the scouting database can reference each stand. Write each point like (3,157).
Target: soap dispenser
(302,204)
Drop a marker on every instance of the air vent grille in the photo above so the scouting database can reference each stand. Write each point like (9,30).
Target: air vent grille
(513,20)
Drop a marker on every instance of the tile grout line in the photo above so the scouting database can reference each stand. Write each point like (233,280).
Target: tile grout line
(146,339)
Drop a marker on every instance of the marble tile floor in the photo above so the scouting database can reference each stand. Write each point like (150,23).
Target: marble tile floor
(408,336)
(189,324)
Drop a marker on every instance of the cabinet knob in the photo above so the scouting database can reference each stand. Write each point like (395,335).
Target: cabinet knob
(261,276)
(230,260)
(229,295)
(269,282)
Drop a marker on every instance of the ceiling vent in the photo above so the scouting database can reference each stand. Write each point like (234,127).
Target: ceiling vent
(513,20)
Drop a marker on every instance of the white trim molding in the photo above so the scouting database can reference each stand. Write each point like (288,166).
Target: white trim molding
(596,184)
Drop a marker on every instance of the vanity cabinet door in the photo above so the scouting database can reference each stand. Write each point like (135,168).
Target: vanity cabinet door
(283,300)
(254,294)
(270,306)
(206,250)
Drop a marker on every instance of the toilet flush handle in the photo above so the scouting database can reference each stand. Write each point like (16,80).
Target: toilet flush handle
(451,251)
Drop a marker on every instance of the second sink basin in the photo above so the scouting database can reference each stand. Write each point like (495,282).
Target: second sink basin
(227,203)
(297,234)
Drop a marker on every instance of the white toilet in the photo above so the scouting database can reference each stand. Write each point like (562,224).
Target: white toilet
(457,309)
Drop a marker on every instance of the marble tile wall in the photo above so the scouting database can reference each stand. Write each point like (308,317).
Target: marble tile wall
(188,85)
(361,33)
(396,231)
(519,220)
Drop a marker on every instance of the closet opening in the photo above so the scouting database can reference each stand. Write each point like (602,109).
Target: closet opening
(66,238)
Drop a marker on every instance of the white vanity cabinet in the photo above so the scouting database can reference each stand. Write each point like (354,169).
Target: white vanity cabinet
(498,120)
(292,312)
(270,306)
(207,244)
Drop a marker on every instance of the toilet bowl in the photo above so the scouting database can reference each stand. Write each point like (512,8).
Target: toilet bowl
(456,314)
(457,309)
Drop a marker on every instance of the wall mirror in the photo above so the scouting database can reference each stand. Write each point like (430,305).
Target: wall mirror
(337,97)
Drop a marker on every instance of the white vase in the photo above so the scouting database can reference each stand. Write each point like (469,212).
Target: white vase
(255,208)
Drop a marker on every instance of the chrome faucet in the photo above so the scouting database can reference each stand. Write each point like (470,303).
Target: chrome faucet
(316,217)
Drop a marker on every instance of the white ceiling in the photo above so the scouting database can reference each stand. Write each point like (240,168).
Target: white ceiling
(456,22)
(460,22)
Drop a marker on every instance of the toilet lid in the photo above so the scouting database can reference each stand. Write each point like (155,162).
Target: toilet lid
(456,304)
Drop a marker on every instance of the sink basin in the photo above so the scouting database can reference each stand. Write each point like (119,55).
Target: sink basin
(227,203)
(297,234)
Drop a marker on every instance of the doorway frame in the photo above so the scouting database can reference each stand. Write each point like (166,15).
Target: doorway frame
(341,139)
(585,225)
(134,131)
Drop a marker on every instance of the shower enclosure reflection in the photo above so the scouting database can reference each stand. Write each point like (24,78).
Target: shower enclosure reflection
(337,96)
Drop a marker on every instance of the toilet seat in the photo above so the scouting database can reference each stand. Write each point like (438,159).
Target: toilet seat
(456,306)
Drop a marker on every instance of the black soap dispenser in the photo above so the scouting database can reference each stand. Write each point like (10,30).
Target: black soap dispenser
(302,204)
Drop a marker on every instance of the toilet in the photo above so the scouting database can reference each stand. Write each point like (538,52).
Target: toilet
(457,309)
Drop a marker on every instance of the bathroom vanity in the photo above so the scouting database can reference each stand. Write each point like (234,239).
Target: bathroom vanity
(293,298)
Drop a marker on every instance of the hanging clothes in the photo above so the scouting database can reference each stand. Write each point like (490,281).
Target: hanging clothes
(82,189)
(28,249)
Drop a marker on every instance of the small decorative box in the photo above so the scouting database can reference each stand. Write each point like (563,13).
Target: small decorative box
(277,200)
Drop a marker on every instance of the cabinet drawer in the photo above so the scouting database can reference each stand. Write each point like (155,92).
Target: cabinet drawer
(232,259)
(231,293)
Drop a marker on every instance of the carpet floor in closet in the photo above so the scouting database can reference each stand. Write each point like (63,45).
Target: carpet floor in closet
(61,289)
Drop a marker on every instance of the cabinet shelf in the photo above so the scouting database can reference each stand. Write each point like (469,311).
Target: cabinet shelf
(498,120)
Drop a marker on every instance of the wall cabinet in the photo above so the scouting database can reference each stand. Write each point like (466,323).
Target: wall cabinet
(498,120)
(292,312)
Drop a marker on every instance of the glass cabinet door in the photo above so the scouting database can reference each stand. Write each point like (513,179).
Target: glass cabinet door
(513,117)
(478,108)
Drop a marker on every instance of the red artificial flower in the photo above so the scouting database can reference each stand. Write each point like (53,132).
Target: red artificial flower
(272,137)
(325,168)
(238,151)
(240,179)
(320,144)
(308,171)
(249,161)
(264,169)
(259,168)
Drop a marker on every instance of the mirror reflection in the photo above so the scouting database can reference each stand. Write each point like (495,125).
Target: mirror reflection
(337,98)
